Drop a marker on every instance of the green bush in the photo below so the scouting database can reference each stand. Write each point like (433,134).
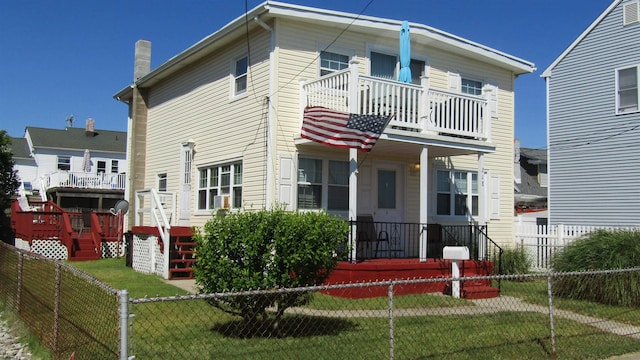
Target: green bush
(601,250)
(266,249)
(515,261)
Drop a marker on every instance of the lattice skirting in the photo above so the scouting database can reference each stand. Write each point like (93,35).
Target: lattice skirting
(147,257)
(53,249)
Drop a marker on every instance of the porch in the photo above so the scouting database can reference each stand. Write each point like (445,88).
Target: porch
(417,110)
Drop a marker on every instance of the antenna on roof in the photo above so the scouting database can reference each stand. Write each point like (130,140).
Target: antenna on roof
(70,121)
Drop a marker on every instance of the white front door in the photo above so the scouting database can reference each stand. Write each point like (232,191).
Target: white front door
(380,192)
(186,159)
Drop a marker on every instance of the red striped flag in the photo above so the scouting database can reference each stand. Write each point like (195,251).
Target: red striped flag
(340,129)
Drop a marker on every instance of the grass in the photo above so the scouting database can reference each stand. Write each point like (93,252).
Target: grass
(20,330)
(180,329)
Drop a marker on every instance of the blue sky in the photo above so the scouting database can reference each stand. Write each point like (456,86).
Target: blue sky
(62,58)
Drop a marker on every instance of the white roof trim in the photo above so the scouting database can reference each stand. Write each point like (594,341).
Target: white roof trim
(547,72)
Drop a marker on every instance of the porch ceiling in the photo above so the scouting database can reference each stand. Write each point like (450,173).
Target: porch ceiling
(397,144)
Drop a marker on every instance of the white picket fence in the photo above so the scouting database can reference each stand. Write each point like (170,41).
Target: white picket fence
(541,242)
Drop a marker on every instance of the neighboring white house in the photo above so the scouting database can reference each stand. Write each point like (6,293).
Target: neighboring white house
(594,123)
(73,167)
(219,124)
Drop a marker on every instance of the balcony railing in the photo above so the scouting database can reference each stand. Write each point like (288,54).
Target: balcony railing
(416,108)
(82,180)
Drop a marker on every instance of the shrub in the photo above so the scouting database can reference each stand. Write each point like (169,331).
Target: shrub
(266,249)
(515,262)
(601,250)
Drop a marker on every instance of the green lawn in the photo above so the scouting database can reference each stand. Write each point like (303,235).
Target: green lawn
(179,329)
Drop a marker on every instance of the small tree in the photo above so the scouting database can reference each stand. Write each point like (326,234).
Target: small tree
(266,249)
(8,184)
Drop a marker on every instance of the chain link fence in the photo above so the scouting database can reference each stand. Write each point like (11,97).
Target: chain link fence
(70,312)
(533,318)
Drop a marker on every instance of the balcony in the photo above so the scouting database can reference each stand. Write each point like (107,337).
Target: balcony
(83,180)
(416,109)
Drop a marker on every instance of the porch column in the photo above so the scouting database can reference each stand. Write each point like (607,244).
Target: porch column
(424,182)
(353,161)
(482,202)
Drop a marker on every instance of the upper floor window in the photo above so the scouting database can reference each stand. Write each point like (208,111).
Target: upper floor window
(240,75)
(220,186)
(471,87)
(332,62)
(384,65)
(64,163)
(457,193)
(114,166)
(627,90)
(102,167)
(162,182)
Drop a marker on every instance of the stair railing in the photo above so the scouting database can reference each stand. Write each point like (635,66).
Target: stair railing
(159,218)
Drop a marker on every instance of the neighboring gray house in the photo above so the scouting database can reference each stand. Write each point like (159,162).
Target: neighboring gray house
(73,167)
(594,123)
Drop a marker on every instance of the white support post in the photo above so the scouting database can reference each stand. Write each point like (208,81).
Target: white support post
(353,161)
(424,182)
(423,112)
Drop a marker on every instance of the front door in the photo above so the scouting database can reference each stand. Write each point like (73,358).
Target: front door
(380,192)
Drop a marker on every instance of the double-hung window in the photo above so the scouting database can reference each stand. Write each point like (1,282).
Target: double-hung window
(220,186)
(64,163)
(457,193)
(240,75)
(316,191)
(102,167)
(114,166)
(627,90)
(162,182)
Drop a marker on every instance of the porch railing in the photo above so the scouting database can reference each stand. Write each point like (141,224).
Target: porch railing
(416,108)
(82,180)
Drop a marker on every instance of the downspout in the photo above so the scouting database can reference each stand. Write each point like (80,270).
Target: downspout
(270,133)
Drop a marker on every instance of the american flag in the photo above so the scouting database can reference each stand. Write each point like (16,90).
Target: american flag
(340,129)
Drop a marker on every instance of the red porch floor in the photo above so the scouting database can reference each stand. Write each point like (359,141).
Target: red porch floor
(402,269)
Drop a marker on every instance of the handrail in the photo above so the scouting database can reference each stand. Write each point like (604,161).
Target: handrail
(96,233)
(158,218)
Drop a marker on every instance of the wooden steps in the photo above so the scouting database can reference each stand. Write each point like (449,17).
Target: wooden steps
(83,249)
(181,256)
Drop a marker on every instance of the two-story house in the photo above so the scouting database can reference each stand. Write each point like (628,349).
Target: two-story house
(76,168)
(219,125)
(594,123)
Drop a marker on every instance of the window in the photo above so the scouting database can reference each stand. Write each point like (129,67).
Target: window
(384,66)
(114,166)
(222,180)
(471,87)
(457,193)
(162,182)
(240,76)
(332,62)
(64,163)
(102,167)
(338,190)
(417,70)
(627,87)
(309,183)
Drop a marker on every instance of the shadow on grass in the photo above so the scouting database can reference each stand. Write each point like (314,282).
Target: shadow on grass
(294,326)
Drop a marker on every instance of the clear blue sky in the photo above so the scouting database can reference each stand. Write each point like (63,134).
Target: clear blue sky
(59,58)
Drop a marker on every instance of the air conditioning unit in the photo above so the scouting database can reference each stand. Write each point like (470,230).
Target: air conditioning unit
(221,202)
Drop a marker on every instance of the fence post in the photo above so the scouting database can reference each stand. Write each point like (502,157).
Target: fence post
(124,323)
(56,308)
(551,322)
(19,280)
(391,326)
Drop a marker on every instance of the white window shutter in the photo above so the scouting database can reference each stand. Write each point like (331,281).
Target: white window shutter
(494,197)
(631,13)
(286,183)
(454,82)
(492,92)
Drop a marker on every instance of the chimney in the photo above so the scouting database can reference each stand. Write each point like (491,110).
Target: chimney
(90,129)
(142,61)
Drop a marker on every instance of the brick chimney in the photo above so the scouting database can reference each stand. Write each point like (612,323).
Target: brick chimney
(90,129)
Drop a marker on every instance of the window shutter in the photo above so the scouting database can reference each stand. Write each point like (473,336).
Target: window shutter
(494,197)
(493,98)
(454,82)
(630,13)
(286,182)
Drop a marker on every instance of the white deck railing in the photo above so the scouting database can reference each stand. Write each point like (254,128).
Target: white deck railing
(415,107)
(82,180)
(160,206)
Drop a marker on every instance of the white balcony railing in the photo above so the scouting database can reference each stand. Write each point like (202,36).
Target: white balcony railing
(416,108)
(82,180)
